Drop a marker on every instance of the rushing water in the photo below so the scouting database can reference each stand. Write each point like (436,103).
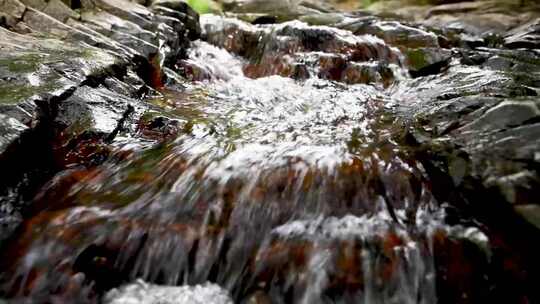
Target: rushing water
(278,184)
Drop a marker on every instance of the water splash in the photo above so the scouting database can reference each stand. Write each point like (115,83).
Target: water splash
(290,190)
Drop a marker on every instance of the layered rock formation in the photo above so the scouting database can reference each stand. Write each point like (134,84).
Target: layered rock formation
(74,74)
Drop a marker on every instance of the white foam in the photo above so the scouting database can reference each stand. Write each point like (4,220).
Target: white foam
(141,292)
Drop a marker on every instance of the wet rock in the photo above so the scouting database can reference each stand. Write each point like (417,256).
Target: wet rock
(46,104)
(35,4)
(299,51)
(10,129)
(181,10)
(472,19)
(37,74)
(72,86)
(169,30)
(518,187)
(114,23)
(12,8)
(504,115)
(127,10)
(501,156)
(427,61)
(530,212)
(10,218)
(455,84)
(525,36)
(60,11)
(481,23)
(496,126)
(258,6)
(121,27)
(43,23)
(282,10)
(29,76)
(144,293)
(323,19)
(347,200)
(35,21)
(521,65)
(92,110)
(160,127)
(423,55)
(392,32)
(459,267)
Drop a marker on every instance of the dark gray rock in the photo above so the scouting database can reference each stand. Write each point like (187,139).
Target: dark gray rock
(504,115)
(60,11)
(10,130)
(95,110)
(71,70)
(490,109)
(530,212)
(42,82)
(427,61)
(124,32)
(392,32)
(39,68)
(525,36)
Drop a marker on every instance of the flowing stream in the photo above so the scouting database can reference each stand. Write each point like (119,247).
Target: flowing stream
(283,179)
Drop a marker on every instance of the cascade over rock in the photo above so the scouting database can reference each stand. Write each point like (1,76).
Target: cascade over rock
(281,152)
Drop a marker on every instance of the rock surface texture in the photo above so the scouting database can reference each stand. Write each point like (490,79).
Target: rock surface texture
(281,152)
(73,73)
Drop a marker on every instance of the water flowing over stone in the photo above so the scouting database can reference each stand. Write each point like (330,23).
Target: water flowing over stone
(143,293)
(273,163)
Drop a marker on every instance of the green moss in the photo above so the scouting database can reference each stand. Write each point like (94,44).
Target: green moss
(29,62)
(17,87)
(18,66)
(200,6)
(12,93)
(355,143)
(416,59)
(233,132)
(25,63)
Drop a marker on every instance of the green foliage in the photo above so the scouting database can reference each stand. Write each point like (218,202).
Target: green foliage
(201,6)
(366,3)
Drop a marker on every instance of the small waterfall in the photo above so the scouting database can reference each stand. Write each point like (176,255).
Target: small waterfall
(282,181)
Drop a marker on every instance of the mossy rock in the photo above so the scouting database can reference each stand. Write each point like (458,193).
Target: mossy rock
(426,61)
